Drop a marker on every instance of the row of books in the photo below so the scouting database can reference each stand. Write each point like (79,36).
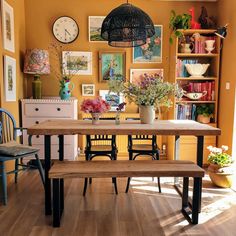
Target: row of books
(185,112)
(200,87)
(181,70)
(200,44)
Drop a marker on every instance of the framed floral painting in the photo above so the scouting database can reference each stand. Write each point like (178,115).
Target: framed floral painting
(151,52)
(8,27)
(137,74)
(88,90)
(10,78)
(95,25)
(111,66)
(112,98)
(77,63)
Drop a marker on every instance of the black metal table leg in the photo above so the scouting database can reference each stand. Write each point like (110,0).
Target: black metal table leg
(47,159)
(196,196)
(176,155)
(61,158)
(185,192)
(56,203)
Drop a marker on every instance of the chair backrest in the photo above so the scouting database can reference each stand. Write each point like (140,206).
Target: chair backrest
(7,126)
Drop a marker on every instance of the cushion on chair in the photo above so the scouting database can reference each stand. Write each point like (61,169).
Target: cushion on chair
(15,149)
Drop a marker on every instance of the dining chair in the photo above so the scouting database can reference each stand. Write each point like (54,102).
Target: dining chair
(11,150)
(141,145)
(100,145)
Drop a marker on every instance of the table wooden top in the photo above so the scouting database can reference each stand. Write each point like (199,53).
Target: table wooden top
(121,168)
(159,127)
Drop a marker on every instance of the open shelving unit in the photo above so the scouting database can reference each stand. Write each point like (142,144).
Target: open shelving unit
(209,83)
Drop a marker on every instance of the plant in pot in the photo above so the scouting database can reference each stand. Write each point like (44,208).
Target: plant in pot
(178,22)
(205,113)
(220,166)
(148,92)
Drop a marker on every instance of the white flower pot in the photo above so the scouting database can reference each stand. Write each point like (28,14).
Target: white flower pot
(147,114)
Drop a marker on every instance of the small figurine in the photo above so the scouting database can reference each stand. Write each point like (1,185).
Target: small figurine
(194,24)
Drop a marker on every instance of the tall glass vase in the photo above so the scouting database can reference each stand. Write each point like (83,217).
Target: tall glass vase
(95,118)
(147,114)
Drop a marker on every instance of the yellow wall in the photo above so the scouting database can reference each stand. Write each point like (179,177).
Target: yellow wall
(19,20)
(40,16)
(227,9)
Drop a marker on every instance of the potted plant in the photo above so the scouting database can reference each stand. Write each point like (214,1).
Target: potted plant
(149,92)
(178,22)
(205,113)
(220,166)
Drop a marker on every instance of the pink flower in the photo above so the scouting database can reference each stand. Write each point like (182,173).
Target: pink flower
(157,41)
(96,105)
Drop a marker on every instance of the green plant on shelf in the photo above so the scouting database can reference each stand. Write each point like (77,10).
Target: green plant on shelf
(206,110)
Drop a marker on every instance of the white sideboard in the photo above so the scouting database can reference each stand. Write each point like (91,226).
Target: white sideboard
(35,111)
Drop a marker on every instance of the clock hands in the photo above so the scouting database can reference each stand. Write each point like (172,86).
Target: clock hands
(67,31)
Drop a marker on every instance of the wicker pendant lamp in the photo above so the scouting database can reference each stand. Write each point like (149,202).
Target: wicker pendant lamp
(127,26)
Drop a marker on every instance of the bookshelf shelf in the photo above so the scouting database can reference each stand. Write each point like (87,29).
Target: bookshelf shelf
(197,55)
(196,78)
(200,31)
(194,101)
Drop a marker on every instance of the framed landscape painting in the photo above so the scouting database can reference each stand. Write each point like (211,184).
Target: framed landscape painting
(10,78)
(77,63)
(137,74)
(88,89)
(111,66)
(112,98)
(95,25)
(8,27)
(151,52)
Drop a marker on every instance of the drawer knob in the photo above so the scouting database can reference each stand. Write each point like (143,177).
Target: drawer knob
(37,136)
(36,109)
(58,109)
(36,122)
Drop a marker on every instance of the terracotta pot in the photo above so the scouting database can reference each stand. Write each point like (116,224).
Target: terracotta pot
(221,176)
(203,119)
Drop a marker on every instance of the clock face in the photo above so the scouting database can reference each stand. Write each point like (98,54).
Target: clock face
(65,29)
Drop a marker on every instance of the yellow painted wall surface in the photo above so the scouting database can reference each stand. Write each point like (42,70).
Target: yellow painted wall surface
(19,21)
(226,10)
(41,15)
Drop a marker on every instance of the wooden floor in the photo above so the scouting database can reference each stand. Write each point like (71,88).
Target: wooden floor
(143,211)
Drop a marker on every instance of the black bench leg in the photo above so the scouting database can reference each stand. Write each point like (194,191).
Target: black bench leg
(196,197)
(85,186)
(127,186)
(115,184)
(185,192)
(56,203)
(61,196)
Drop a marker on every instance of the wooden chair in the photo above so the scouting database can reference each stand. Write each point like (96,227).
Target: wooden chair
(100,145)
(148,147)
(11,150)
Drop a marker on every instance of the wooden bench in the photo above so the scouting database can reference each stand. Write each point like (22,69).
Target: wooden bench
(102,169)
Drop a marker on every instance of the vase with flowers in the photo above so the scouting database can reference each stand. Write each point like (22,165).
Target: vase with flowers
(220,166)
(60,70)
(95,107)
(118,111)
(149,93)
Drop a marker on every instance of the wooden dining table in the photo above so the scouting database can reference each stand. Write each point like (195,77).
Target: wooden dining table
(60,128)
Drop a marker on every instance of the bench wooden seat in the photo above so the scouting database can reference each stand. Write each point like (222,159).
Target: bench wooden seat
(119,168)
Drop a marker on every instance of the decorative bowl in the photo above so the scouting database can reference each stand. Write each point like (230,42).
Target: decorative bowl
(197,70)
(195,96)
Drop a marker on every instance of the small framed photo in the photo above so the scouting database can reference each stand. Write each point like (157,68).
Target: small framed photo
(8,27)
(88,90)
(112,98)
(151,52)
(95,25)
(77,63)
(137,74)
(10,78)
(111,66)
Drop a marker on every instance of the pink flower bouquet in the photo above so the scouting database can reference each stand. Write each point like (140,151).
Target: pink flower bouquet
(96,105)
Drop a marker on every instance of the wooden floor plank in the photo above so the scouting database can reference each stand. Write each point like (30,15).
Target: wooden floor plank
(141,212)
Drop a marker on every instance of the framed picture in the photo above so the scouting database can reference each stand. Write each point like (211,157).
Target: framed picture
(137,74)
(112,98)
(151,52)
(8,27)
(77,63)
(88,90)
(111,66)
(10,78)
(95,25)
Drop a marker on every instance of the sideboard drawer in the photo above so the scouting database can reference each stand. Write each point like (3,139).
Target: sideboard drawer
(49,110)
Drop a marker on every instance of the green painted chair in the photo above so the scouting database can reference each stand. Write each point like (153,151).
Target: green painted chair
(11,150)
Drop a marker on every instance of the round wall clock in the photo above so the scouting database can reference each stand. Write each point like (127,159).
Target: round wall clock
(65,29)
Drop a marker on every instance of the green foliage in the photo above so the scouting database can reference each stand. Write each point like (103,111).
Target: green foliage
(219,156)
(206,110)
(178,22)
